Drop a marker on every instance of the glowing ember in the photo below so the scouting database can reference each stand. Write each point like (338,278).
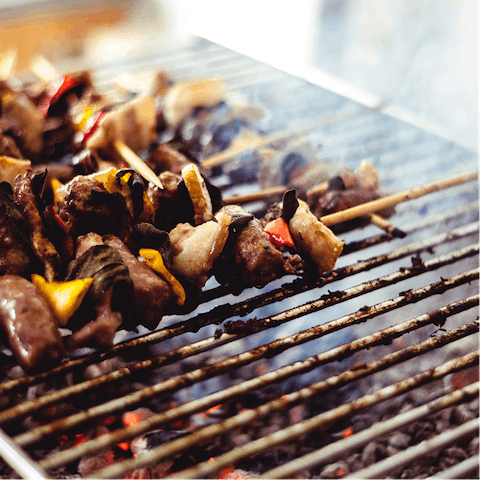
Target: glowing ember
(108,420)
(123,445)
(210,411)
(226,472)
(136,416)
(347,432)
(80,438)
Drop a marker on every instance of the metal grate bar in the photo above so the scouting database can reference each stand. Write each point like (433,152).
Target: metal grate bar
(19,460)
(466,469)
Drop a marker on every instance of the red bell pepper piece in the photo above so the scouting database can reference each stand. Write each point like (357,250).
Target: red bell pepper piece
(97,117)
(56,90)
(279,233)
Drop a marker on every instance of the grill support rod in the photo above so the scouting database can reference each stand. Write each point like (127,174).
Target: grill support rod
(19,460)
(346,446)
(461,470)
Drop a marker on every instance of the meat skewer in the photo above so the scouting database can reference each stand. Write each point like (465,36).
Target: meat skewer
(395,199)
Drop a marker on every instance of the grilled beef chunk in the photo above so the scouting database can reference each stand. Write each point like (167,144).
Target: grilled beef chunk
(109,303)
(29,324)
(152,294)
(8,145)
(100,332)
(16,255)
(30,120)
(167,158)
(249,258)
(29,202)
(88,206)
(172,204)
(345,191)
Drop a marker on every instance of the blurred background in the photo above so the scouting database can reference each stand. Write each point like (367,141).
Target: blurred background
(418,57)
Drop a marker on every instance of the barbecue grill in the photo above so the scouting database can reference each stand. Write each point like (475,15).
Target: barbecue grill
(304,376)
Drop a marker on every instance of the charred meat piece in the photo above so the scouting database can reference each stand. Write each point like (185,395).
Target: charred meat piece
(167,158)
(16,254)
(9,131)
(345,191)
(249,257)
(172,204)
(28,201)
(100,332)
(109,303)
(29,324)
(151,293)
(30,120)
(88,206)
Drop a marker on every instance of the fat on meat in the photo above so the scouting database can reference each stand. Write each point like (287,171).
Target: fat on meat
(195,249)
(314,239)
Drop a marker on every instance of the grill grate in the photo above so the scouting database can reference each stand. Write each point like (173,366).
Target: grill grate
(367,338)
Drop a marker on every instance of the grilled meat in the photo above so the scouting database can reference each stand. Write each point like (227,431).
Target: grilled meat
(44,249)
(29,324)
(151,293)
(16,255)
(249,257)
(89,207)
(313,239)
(195,249)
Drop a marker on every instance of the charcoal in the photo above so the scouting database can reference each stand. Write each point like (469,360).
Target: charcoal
(154,439)
(400,440)
(335,470)
(462,414)
(372,453)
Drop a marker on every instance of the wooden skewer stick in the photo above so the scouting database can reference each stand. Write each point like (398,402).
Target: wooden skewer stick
(392,200)
(264,194)
(137,163)
(387,227)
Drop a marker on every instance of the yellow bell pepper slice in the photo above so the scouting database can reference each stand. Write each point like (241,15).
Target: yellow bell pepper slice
(11,167)
(198,192)
(64,297)
(155,261)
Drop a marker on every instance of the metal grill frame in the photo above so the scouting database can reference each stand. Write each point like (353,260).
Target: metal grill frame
(261,82)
